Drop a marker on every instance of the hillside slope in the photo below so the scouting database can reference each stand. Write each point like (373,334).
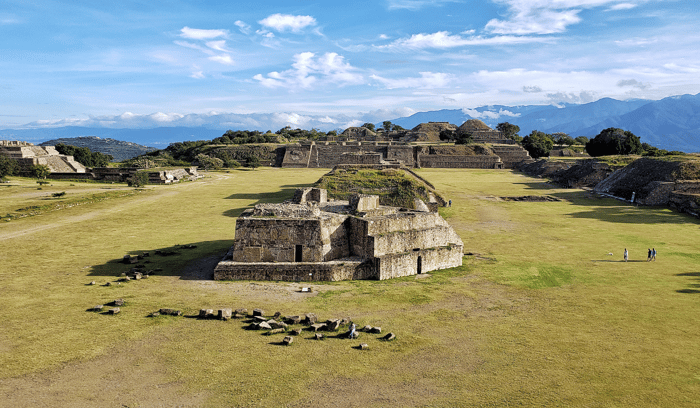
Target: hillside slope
(118,149)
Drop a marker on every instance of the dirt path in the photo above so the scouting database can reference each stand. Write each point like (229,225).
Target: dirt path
(212,178)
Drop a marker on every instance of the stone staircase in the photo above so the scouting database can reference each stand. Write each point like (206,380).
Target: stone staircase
(511,155)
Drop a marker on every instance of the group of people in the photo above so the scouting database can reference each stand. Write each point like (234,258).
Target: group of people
(651,255)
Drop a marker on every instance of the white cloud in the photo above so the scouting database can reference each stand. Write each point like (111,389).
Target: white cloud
(243,27)
(489,114)
(416,4)
(633,83)
(285,22)
(198,34)
(218,45)
(427,80)
(572,97)
(443,40)
(532,89)
(545,16)
(309,70)
(197,74)
(621,6)
(222,59)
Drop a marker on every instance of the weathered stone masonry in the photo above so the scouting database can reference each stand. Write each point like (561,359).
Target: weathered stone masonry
(312,239)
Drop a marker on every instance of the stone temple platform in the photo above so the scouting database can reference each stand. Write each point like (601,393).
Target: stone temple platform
(312,239)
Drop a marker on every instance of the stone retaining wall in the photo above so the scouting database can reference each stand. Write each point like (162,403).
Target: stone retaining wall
(296,271)
(459,162)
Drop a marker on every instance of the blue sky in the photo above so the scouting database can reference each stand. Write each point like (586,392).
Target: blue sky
(237,64)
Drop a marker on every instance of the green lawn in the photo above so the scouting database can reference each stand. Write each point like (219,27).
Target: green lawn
(540,314)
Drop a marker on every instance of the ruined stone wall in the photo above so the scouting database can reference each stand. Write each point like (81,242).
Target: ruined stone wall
(403,153)
(296,156)
(296,272)
(459,162)
(511,155)
(409,263)
(403,222)
(405,241)
(360,159)
(334,235)
(275,240)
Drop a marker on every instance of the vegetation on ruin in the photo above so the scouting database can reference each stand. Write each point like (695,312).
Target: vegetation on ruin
(395,187)
(84,155)
(539,315)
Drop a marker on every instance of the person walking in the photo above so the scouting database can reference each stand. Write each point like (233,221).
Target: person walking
(626,254)
(649,255)
(653,254)
(352,331)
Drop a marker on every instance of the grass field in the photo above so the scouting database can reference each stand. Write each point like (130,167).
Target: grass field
(539,315)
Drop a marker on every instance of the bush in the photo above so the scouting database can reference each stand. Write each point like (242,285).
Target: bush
(208,162)
(39,171)
(84,155)
(614,141)
(139,179)
(538,144)
(58,195)
(8,167)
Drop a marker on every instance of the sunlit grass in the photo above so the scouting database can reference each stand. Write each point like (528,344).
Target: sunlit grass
(540,314)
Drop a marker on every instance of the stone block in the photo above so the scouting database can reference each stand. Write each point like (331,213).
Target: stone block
(264,326)
(367,329)
(258,312)
(363,346)
(376,330)
(310,318)
(224,314)
(293,319)
(288,340)
(389,337)
(114,310)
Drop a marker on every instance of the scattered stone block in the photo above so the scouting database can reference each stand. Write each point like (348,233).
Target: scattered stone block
(389,337)
(354,335)
(367,329)
(206,314)
(97,308)
(264,325)
(118,302)
(138,275)
(259,319)
(114,311)
(344,321)
(333,324)
(318,326)
(277,325)
(93,283)
(287,340)
(165,311)
(154,314)
(363,346)
(108,284)
(293,319)
(310,318)
(295,332)
(258,312)
(376,330)
(224,314)
(277,315)
(276,331)
(306,290)
(318,336)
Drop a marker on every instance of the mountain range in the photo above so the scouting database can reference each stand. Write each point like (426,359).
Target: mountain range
(671,123)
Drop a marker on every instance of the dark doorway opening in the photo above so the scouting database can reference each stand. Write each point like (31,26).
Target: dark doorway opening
(297,253)
(419,267)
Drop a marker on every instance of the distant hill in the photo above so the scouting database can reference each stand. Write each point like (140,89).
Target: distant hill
(671,123)
(118,149)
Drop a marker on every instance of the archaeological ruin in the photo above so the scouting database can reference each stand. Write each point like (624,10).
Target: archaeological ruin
(312,238)
(27,155)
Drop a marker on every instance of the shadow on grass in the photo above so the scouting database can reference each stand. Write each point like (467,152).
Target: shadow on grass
(190,261)
(286,193)
(611,210)
(696,276)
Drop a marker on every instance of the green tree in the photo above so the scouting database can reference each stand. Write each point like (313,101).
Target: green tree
(39,171)
(562,138)
(509,130)
(208,162)
(138,179)
(447,134)
(582,140)
(464,138)
(614,141)
(8,167)
(538,144)
(253,162)
(84,155)
(397,128)
(369,126)
(386,125)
